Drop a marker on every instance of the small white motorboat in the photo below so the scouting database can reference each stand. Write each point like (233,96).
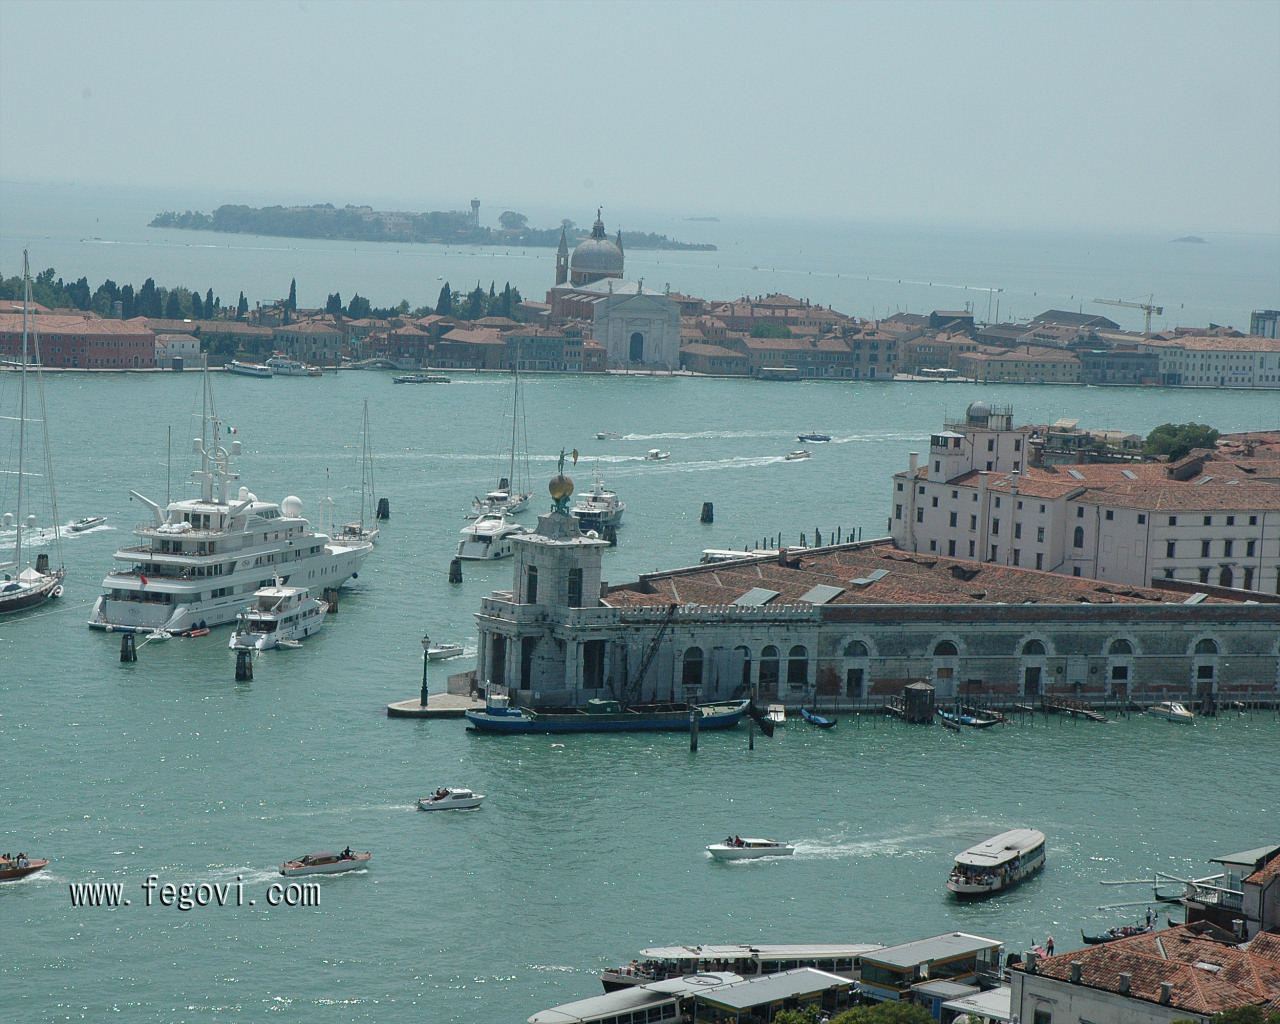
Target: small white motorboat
(439,652)
(326,863)
(777,713)
(1172,711)
(738,848)
(656,455)
(797,455)
(608,435)
(450,799)
(87,523)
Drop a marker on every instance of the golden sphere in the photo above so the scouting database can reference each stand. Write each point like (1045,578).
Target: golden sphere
(560,487)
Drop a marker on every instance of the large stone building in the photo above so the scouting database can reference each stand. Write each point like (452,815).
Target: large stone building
(81,341)
(638,328)
(852,622)
(1212,518)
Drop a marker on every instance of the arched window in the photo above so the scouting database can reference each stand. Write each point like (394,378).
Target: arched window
(1207,646)
(636,354)
(692,675)
(1032,648)
(769,671)
(798,668)
(1120,647)
(1225,577)
(1077,537)
(746,666)
(945,649)
(856,649)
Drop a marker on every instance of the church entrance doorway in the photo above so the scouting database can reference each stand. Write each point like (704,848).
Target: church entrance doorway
(636,353)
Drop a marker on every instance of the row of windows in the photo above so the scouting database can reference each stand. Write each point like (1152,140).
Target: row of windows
(1029,649)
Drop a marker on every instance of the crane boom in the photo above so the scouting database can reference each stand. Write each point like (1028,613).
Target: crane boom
(1157,310)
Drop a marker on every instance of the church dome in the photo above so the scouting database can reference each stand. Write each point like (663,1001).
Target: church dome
(596,257)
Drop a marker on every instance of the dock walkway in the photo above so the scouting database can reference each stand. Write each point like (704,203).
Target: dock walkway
(439,705)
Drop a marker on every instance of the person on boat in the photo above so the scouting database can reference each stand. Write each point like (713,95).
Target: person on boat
(1150,917)
(737,840)
(728,841)
(346,854)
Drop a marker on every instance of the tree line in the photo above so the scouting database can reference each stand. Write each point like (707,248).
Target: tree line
(178,303)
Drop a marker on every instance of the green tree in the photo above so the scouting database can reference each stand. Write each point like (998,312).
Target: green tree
(242,307)
(885,1013)
(333,304)
(173,307)
(767,329)
(444,304)
(476,304)
(809,1015)
(512,221)
(359,308)
(293,296)
(197,307)
(209,305)
(1177,439)
(128,303)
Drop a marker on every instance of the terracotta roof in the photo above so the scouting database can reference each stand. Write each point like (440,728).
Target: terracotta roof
(1206,975)
(1217,343)
(1264,874)
(909,578)
(479,336)
(84,323)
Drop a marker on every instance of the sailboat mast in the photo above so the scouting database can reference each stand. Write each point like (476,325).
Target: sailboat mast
(22,407)
(515,405)
(366,469)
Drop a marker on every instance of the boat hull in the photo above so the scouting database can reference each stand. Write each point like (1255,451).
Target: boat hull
(10,872)
(293,868)
(720,851)
(637,719)
(448,804)
(31,595)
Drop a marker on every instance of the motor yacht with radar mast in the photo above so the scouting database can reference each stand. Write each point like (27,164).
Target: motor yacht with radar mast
(201,560)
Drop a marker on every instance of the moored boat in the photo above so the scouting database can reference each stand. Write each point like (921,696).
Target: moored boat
(998,863)
(280,616)
(246,369)
(603,716)
(450,799)
(1172,711)
(598,507)
(326,863)
(283,366)
(13,868)
(821,721)
(1120,932)
(200,560)
(489,537)
(739,848)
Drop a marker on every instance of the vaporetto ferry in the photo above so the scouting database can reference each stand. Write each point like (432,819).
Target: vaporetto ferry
(999,863)
(659,963)
(202,559)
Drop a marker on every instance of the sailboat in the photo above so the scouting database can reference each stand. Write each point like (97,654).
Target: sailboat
(26,586)
(361,530)
(513,491)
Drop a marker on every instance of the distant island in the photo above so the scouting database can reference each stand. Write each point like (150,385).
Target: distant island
(1190,238)
(365,224)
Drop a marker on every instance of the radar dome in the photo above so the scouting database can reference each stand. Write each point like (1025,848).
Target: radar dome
(291,506)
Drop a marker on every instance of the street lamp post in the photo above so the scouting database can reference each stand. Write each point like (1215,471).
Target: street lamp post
(426,642)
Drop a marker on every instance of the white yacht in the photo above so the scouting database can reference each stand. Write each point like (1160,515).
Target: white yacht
(247,369)
(741,848)
(489,537)
(1172,711)
(200,560)
(279,617)
(283,366)
(598,507)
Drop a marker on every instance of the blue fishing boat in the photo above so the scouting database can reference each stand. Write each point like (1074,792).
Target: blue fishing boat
(603,716)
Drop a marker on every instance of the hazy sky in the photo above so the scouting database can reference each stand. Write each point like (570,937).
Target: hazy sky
(1159,115)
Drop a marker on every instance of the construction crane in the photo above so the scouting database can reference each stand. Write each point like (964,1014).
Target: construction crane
(1157,310)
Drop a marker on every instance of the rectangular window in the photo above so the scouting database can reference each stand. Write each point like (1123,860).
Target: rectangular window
(1168,549)
(899,485)
(575,588)
(1226,549)
(1208,520)
(995,552)
(991,444)
(1249,547)
(897,511)
(953,519)
(970,549)
(933,545)
(1017,556)
(919,515)
(1168,574)
(1017,530)
(1080,512)
(955,494)
(1204,575)
(951,548)
(935,501)
(995,526)
(997,502)
(1040,534)
(1039,559)
(973,522)
(1204,549)
(1231,520)
(1253,520)
(1017,445)
(1248,578)
(922,490)
(1142,518)
(937,465)
(1042,510)
(1075,570)
(1110,514)
(1173,520)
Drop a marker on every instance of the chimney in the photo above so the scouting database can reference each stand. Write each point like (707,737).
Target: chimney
(914,462)
(1076,970)
(1237,927)
(1032,960)
(1125,979)
(1166,993)
(782,557)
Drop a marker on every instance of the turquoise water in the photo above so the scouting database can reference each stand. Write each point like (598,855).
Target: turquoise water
(587,848)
